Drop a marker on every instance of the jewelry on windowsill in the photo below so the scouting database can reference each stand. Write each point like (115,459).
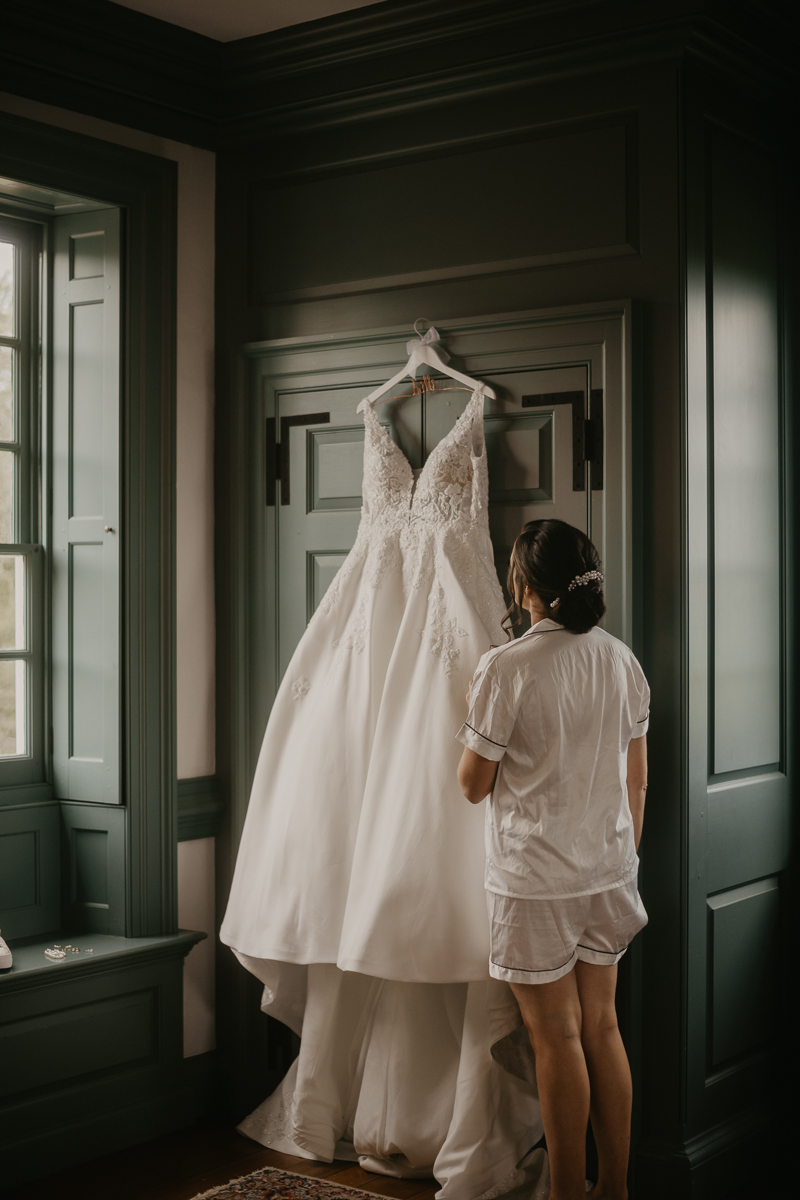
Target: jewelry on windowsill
(56,953)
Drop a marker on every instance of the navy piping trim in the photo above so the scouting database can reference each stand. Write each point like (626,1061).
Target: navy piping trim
(502,745)
(530,970)
(610,953)
(643,720)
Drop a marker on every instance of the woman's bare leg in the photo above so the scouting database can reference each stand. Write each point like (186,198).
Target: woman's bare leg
(609,1076)
(552,1016)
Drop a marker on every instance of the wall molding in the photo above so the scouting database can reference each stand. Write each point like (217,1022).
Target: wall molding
(199,808)
(26,793)
(664,1170)
(108,61)
(111,62)
(92,1052)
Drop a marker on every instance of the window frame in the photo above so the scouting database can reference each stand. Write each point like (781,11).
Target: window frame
(27,233)
(144,187)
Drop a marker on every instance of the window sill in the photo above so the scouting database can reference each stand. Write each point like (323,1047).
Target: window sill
(32,969)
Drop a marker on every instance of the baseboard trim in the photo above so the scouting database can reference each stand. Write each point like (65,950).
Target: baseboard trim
(103,1134)
(201,1073)
(706,1167)
(199,808)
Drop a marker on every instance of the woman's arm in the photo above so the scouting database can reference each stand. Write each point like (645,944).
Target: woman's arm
(637,783)
(476,775)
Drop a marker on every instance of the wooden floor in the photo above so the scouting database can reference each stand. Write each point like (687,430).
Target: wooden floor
(181,1165)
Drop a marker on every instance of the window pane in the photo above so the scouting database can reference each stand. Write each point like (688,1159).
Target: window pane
(6,496)
(12,707)
(6,394)
(6,288)
(12,602)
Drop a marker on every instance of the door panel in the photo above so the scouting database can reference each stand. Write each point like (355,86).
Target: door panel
(739,747)
(529,448)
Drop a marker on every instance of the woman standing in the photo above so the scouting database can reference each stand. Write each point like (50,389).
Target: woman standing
(556,733)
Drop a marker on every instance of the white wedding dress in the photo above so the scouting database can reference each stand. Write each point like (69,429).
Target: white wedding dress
(358,895)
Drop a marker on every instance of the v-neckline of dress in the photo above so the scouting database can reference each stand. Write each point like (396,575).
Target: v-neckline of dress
(415,483)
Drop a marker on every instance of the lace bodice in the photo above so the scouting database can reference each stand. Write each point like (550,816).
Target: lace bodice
(452,487)
(421,527)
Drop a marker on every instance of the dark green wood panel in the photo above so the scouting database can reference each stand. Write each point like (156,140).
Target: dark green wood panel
(739,681)
(744,945)
(749,830)
(93,868)
(79,1042)
(419,216)
(747,456)
(114,63)
(131,68)
(92,1050)
(29,869)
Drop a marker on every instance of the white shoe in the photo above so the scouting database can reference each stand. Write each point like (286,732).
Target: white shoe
(6,958)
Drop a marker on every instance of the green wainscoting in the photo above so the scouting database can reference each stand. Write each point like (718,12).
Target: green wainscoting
(29,868)
(91,1050)
(93,876)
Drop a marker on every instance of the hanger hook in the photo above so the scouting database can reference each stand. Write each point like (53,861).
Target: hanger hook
(416,323)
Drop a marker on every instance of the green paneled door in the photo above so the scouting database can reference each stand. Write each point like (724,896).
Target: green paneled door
(85,500)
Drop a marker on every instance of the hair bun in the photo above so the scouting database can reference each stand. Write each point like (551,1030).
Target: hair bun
(561,567)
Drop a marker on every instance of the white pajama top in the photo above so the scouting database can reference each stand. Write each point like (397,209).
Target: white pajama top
(557,711)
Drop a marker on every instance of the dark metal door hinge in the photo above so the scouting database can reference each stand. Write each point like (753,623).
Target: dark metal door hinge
(587,433)
(278,452)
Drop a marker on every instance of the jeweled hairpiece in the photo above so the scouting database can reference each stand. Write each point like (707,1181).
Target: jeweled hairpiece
(580,580)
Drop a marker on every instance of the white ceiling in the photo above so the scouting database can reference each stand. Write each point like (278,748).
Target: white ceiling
(226,20)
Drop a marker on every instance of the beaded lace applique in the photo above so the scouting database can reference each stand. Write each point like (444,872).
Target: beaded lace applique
(441,633)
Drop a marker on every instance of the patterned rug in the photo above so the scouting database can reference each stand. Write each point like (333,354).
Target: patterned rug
(271,1184)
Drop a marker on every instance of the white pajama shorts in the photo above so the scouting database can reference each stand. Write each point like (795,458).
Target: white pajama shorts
(539,941)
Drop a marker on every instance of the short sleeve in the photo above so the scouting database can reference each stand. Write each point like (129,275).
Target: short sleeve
(641,704)
(491,716)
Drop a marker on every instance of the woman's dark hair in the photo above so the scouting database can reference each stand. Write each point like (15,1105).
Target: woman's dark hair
(547,557)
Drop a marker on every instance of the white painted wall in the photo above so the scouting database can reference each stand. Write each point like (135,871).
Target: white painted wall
(195,517)
(196,911)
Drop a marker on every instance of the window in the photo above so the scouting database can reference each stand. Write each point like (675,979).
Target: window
(86,812)
(21,574)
